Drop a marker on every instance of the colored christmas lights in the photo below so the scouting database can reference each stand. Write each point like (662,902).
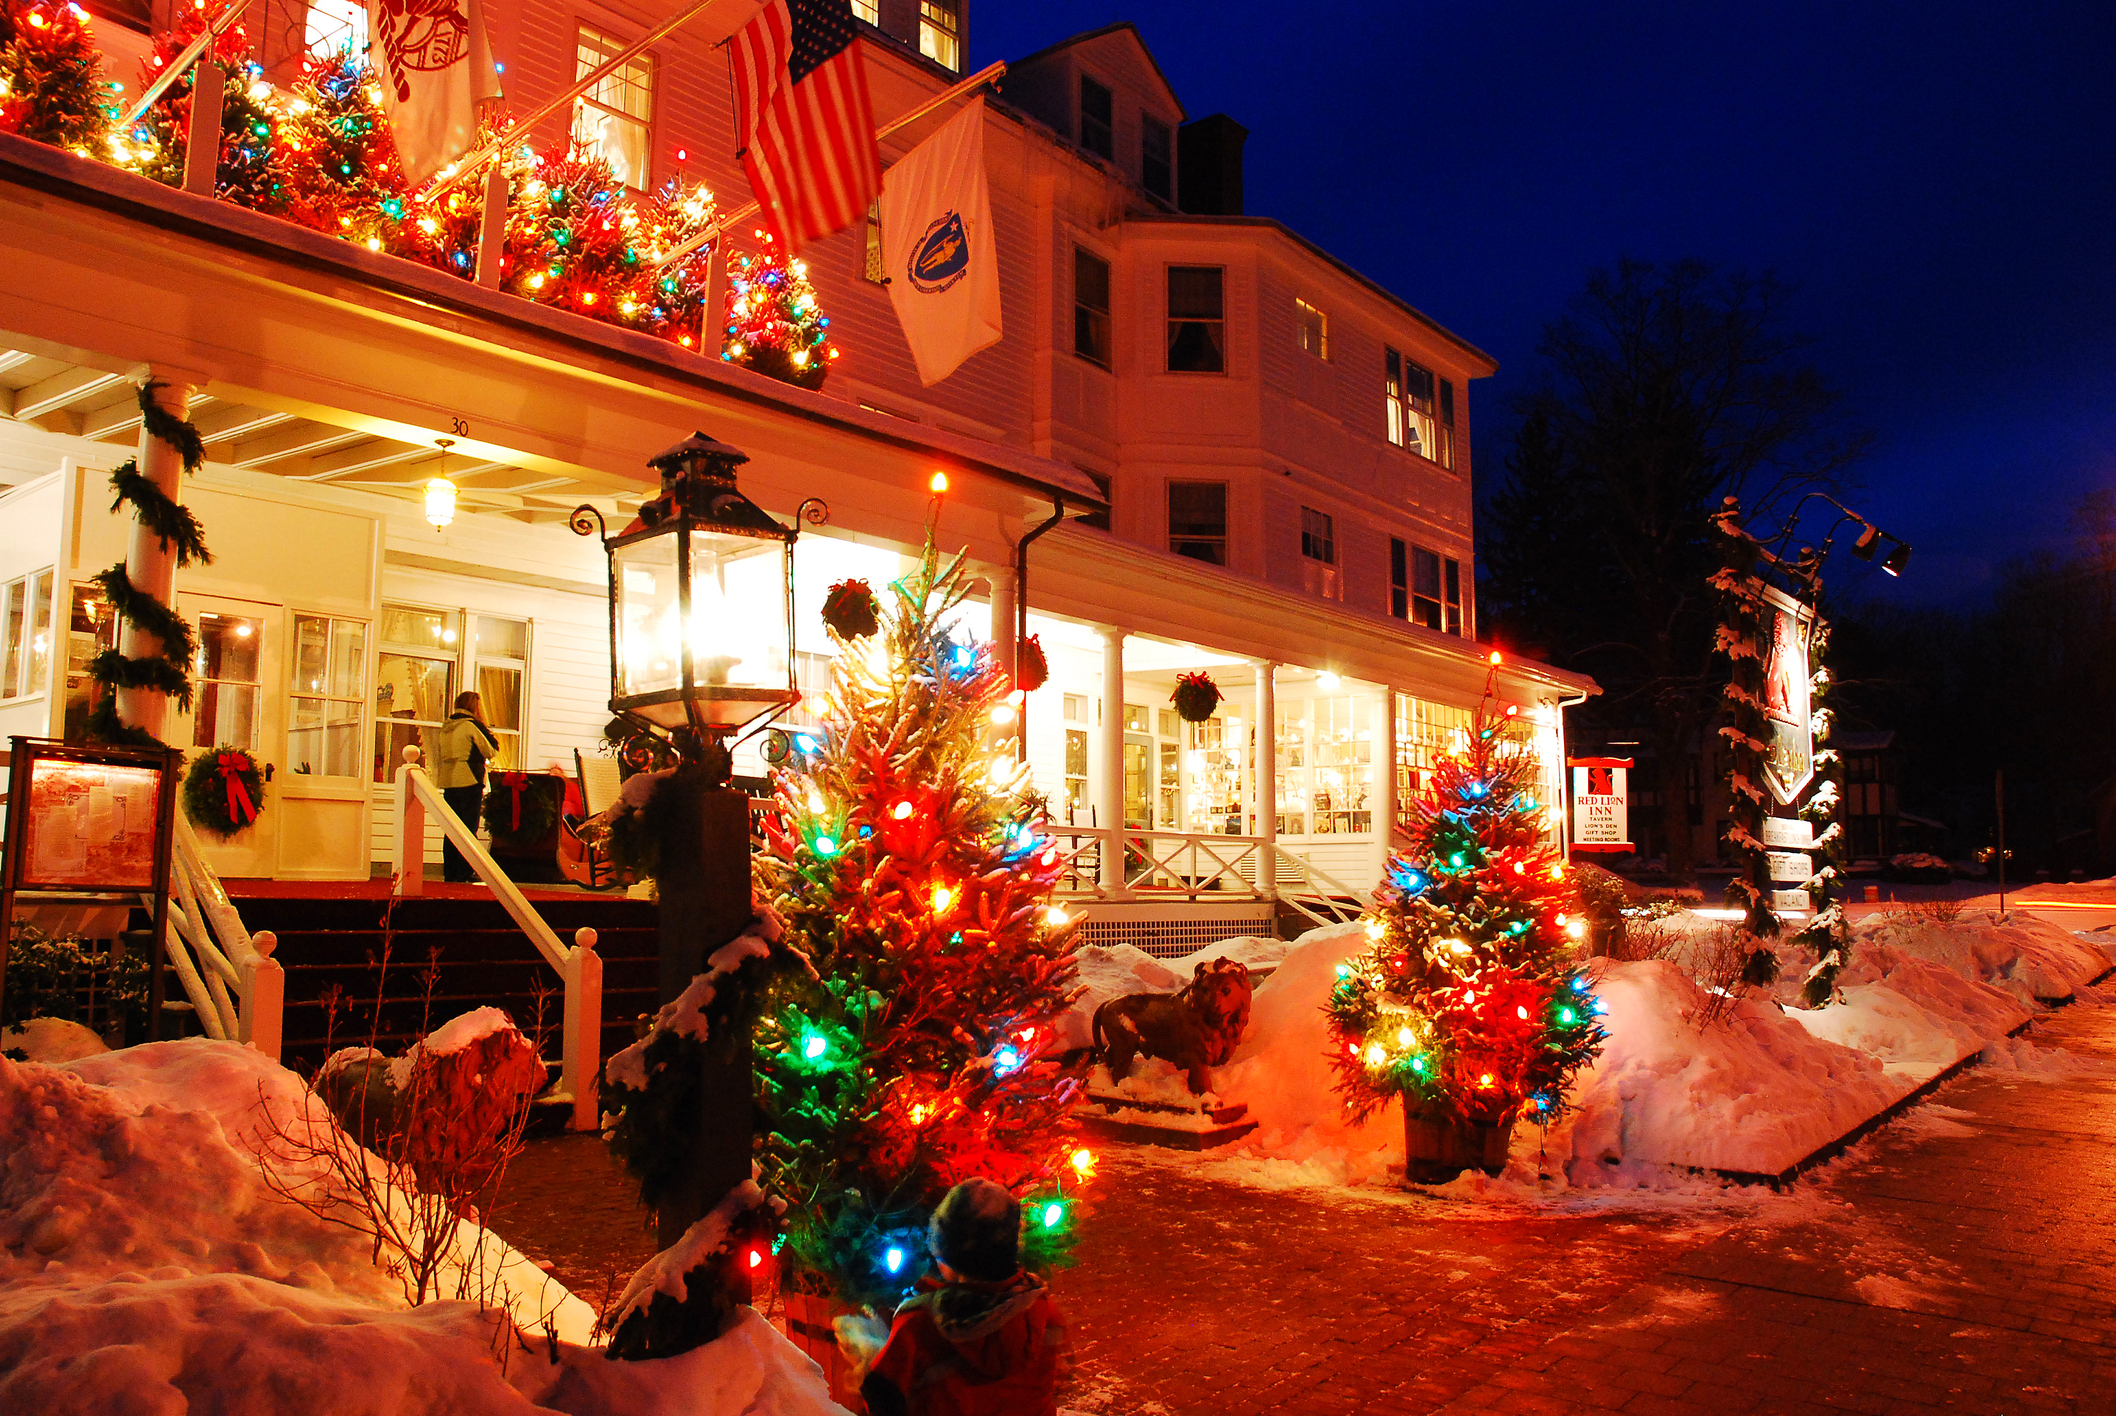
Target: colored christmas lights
(774,323)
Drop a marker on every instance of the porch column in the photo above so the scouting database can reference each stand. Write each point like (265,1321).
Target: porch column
(1110,770)
(1001,579)
(1384,793)
(1266,758)
(150,564)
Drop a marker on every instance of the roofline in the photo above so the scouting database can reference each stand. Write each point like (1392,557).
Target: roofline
(1490,365)
(37,167)
(1085,35)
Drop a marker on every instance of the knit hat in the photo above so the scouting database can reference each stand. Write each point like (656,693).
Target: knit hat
(977,1231)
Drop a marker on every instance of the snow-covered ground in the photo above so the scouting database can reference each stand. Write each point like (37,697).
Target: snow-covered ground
(1757,1088)
(146,1265)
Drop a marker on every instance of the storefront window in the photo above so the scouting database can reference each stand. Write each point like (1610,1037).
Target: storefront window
(1425,732)
(1216,752)
(1325,766)
(329,685)
(415,682)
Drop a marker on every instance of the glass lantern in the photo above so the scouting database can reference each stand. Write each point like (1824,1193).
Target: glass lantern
(701,599)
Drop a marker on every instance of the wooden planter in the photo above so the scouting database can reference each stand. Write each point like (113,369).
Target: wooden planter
(808,1316)
(1437,1150)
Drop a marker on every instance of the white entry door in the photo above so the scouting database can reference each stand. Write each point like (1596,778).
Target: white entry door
(238,667)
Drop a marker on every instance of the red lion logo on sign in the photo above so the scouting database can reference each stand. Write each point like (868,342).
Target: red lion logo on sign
(421,36)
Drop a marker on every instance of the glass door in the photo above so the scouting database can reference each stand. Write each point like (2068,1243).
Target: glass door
(238,658)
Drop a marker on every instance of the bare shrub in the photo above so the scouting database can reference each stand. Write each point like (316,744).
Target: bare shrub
(1938,911)
(1642,938)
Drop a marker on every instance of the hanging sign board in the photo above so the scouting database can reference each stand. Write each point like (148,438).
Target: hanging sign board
(1791,867)
(1788,833)
(1601,803)
(1789,761)
(1791,902)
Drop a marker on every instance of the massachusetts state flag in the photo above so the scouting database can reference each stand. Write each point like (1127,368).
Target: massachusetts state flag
(803,122)
(433,66)
(937,247)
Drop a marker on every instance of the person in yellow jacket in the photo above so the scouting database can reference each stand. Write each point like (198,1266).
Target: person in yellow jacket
(460,752)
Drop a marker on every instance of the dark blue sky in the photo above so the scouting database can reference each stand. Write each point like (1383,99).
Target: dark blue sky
(1937,179)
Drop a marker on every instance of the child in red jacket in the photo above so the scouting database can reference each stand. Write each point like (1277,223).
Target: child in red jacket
(982,1339)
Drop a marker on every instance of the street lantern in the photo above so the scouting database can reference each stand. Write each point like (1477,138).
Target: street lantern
(701,599)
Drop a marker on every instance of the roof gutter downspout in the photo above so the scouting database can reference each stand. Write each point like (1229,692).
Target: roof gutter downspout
(1565,772)
(1021,620)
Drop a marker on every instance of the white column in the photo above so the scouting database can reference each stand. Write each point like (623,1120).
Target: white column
(1266,756)
(1003,614)
(149,564)
(1110,770)
(1383,796)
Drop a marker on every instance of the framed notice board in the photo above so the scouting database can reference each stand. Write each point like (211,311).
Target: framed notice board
(90,821)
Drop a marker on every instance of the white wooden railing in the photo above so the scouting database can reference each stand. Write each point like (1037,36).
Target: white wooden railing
(579,967)
(1171,865)
(212,953)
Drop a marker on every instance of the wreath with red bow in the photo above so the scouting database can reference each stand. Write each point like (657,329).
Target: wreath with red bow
(521,808)
(223,790)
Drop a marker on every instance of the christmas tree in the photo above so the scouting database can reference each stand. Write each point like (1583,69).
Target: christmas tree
(51,77)
(914,872)
(341,172)
(1467,1003)
(775,324)
(250,171)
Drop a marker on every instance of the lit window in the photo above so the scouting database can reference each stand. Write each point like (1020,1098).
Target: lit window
(1197,320)
(1425,588)
(940,32)
(25,636)
(1410,419)
(336,27)
(1446,430)
(1318,548)
(1090,307)
(614,119)
(1157,157)
(1197,520)
(1313,329)
(866,10)
(1097,118)
(500,650)
(329,695)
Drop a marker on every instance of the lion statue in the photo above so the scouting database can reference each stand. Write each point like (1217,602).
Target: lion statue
(1195,1028)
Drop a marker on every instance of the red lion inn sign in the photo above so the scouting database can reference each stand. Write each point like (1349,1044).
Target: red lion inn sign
(1789,762)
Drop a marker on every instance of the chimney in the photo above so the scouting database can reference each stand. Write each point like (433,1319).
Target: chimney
(1209,166)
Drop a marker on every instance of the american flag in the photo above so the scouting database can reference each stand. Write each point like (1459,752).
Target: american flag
(803,121)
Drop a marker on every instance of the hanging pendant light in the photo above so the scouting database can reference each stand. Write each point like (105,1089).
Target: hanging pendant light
(440,492)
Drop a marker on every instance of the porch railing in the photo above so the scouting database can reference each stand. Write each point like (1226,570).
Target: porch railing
(1194,866)
(237,988)
(579,967)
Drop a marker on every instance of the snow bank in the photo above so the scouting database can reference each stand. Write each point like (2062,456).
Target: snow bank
(1106,972)
(2026,956)
(1249,949)
(52,1040)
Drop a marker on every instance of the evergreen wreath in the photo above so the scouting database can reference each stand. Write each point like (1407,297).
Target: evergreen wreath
(169,671)
(1035,668)
(1196,696)
(849,610)
(521,808)
(223,791)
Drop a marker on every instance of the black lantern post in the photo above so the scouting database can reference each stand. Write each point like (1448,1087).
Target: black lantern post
(701,646)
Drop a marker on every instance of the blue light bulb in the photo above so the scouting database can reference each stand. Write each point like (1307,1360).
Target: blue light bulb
(1006,1059)
(894,1259)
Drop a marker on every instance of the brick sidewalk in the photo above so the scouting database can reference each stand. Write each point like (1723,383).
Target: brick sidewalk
(1956,1262)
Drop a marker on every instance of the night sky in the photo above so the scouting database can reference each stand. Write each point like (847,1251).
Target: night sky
(1937,179)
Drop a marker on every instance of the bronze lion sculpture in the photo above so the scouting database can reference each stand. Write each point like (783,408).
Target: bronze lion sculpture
(1196,1028)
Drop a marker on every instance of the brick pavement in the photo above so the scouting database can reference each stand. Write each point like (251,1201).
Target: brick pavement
(1957,1261)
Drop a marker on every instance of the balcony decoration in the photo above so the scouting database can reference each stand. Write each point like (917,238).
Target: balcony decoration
(774,323)
(914,870)
(1035,668)
(1467,1004)
(340,166)
(252,170)
(1196,696)
(849,610)
(51,76)
(223,791)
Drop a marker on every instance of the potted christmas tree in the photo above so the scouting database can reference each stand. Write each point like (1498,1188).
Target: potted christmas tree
(1467,1003)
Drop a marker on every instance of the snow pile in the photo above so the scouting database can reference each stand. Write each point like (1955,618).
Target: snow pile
(52,1040)
(462,1031)
(146,1265)
(1249,949)
(2028,957)
(1106,972)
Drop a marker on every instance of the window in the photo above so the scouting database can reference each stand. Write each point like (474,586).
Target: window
(1312,329)
(500,654)
(1447,424)
(336,27)
(1157,172)
(1197,520)
(1218,782)
(1090,307)
(415,682)
(227,683)
(1197,321)
(91,627)
(1096,109)
(25,651)
(1430,593)
(1410,413)
(1075,757)
(940,32)
(874,272)
(1425,733)
(329,691)
(613,119)
(1326,766)
(1318,548)
(866,10)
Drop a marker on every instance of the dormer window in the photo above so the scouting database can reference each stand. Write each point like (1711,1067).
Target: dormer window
(1097,117)
(940,32)
(1157,173)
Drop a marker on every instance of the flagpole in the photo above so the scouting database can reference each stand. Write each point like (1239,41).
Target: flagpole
(975,82)
(465,166)
(175,69)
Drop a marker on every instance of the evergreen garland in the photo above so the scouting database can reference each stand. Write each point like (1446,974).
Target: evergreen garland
(170,520)
(1829,933)
(179,642)
(223,791)
(1740,640)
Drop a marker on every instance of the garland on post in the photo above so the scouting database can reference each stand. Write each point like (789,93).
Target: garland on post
(169,671)
(1740,639)
(223,790)
(1828,934)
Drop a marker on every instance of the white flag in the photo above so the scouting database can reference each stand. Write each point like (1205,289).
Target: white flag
(433,65)
(937,246)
